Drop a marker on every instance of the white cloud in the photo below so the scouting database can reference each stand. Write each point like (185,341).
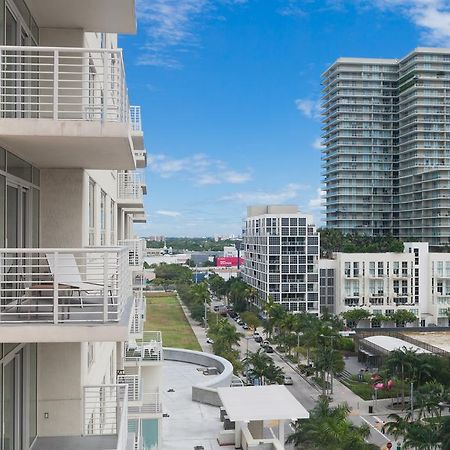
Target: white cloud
(309,108)
(289,192)
(432,16)
(171,27)
(318,201)
(167,213)
(198,168)
(317,144)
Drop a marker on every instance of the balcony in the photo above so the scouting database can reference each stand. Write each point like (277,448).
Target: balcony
(140,157)
(145,351)
(135,249)
(66,107)
(143,403)
(60,295)
(109,16)
(105,422)
(138,315)
(130,190)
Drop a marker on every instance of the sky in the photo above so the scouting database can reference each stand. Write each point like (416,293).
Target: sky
(230,89)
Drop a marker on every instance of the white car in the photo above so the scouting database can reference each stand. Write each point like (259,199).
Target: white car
(209,341)
(288,381)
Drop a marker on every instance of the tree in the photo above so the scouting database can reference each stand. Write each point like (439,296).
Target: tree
(400,362)
(225,336)
(355,315)
(251,319)
(402,317)
(328,428)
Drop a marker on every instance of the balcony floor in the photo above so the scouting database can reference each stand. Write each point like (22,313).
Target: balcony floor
(75,443)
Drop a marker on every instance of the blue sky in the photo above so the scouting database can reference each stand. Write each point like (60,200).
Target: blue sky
(230,89)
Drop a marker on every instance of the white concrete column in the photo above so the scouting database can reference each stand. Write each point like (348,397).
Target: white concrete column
(237,434)
(281,431)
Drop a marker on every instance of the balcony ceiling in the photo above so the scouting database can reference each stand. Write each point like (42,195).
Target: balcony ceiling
(56,144)
(111,16)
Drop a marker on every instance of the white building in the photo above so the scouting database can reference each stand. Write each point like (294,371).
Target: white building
(76,368)
(416,280)
(281,250)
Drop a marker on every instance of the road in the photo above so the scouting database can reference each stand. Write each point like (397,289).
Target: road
(307,395)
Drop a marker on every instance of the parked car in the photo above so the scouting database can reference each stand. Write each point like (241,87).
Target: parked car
(245,326)
(236,382)
(209,341)
(255,333)
(240,322)
(268,349)
(265,343)
(258,339)
(288,380)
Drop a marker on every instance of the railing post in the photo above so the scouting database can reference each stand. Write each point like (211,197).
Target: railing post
(105,287)
(55,291)
(55,84)
(106,86)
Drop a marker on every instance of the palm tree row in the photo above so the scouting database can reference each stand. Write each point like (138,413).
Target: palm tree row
(260,368)
(330,429)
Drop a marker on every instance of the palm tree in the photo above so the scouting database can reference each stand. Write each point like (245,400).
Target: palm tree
(273,374)
(401,363)
(444,433)
(225,336)
(422,435)
(256,364)
(330,429)
(396,426)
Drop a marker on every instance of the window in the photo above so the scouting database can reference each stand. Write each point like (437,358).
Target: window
(91,212)
(90,354)
(103,218)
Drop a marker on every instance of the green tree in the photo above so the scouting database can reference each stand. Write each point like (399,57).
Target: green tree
(354,316)
(402,317)
(251,319)
(328,428)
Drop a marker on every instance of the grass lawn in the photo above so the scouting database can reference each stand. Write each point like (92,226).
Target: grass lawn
(164,313)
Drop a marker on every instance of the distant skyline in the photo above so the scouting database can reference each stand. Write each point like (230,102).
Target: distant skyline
(230,90)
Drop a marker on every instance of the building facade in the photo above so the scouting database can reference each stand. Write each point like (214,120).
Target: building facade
(281,251)
(386,151)
(77,369)
(416,280)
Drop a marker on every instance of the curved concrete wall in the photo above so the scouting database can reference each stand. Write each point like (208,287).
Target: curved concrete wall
(205,392)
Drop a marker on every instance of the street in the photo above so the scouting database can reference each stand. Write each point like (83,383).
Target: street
(307,394)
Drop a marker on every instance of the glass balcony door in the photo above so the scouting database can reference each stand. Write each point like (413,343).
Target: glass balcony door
(18,216)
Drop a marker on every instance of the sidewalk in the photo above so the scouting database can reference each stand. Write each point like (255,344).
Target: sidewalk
(199,331)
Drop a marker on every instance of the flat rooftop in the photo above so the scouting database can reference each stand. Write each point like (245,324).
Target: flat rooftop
(249,403)
(439,339)
(390,343)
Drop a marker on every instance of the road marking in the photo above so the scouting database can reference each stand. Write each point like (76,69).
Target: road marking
(371,426)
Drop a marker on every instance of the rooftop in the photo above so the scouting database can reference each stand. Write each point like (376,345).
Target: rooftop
(439,339)
(390,343)
(273,402)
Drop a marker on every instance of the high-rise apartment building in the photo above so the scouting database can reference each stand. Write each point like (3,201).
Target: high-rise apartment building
(281,251)
(386,156)
(77,369)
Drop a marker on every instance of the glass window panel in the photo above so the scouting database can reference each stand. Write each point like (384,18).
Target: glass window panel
(32,397)
(18,167)
(8,406)
(36,216)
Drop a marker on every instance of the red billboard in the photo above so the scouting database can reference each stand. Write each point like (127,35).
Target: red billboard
(228,261)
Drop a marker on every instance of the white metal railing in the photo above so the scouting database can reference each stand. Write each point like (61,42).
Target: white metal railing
(105,412)
(129,187)
(135,118)
(63,83)
(141,400)
(135,427)
(138,313)
(140,154)
(64,285)
(136,249)
(134,384)
(146,349)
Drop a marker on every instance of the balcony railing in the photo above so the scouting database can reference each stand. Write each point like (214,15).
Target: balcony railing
(138,314)
(129,187)
(135,118)
(63,83)
(105,412)
(135,251)
(63,285)
(141,401)
(148,349)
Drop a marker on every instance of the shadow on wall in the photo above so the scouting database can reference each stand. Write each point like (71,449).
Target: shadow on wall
(205,392)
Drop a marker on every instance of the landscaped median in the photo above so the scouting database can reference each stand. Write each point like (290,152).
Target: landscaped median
(164,313)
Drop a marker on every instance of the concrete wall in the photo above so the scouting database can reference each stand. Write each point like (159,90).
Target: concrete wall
(62,208)
(204,392)
(59,389)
